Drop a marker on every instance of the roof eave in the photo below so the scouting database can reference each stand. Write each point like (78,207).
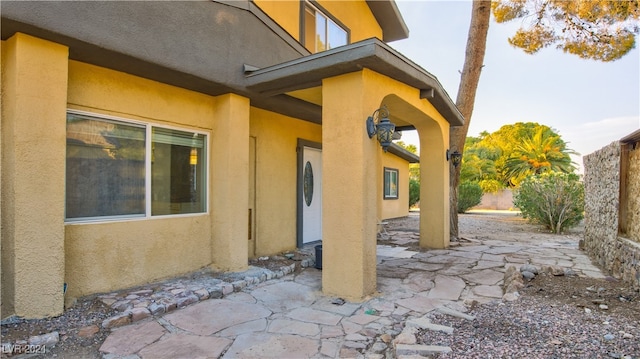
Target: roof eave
(403,153)
(372,53)
(388,16)
(631,138)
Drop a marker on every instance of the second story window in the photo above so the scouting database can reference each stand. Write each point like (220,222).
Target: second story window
(320,31)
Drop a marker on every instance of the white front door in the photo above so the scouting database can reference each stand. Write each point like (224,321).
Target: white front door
(311,195)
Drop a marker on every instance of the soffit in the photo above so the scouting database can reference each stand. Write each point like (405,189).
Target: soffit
(403,153)
(307,73)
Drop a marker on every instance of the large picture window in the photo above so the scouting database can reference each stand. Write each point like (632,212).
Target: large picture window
(322,32)
(120,169)
(390,183)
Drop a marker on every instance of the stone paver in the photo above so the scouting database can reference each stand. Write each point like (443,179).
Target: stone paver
(261,345)
(314,316)
(447,287)
(130,339)
(275,314)
(490,291)
(484,276)
(284,296)
(420,304)
(288,326)
(186,346)
(198,318)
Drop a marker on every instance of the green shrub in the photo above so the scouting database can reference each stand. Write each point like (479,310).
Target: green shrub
(490,186)
(414,192)
(469,195)
(553,199)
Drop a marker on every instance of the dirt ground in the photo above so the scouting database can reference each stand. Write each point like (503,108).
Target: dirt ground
(554,292)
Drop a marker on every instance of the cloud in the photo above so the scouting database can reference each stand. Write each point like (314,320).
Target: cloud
(592,136)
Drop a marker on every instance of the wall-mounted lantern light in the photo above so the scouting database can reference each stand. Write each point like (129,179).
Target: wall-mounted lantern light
(378,124)
(455,157)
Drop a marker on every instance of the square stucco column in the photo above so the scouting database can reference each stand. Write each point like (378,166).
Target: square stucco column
(229,190)
(34,102)
(434,188)
(349,188)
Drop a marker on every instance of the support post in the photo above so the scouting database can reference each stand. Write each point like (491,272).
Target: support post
(229,191)
(34,102)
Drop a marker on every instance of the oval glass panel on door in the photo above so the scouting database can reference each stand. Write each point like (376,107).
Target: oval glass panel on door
(312,195)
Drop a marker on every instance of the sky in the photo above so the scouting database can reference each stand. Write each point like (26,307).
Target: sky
(589,103)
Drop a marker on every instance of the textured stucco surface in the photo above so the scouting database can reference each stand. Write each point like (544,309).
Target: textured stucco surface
(230,183)
(276,140)
(355,15)
(394,208)
(113,255)
(34,82)
(618,256)
(350,202)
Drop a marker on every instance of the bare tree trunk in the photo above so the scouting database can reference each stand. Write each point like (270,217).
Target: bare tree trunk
(474,57)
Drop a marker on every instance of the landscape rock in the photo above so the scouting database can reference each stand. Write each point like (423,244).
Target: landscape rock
(139,314)
(568,272)
(116,321)
(528,275)
(556,271)
(510,297)
(188,300)
(89,331)
(529,268)
(378,347)
(156,309)
(48,340)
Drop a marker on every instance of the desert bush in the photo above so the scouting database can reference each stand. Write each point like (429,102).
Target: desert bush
(490,185)
(469,195)
(414,192)
(553,199)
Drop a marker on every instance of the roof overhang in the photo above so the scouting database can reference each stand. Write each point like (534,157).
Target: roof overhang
(632,138)
(309,71)
(388,16)
(403,153)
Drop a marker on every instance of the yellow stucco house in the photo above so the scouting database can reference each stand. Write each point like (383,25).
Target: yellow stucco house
(142,140)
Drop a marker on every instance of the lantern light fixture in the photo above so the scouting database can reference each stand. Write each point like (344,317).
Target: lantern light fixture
(455,157)
(379,125)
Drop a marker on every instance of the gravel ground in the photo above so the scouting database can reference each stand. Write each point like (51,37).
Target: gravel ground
(555,317)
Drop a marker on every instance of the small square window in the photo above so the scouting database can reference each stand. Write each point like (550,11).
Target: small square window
(321,32)
(390,183)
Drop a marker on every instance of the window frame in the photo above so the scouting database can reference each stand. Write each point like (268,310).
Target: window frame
(148,126)
(390,170)
(304,4)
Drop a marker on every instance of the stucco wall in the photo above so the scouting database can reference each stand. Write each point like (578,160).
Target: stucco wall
(620,257)
(107,256)
(355,15)
(393,208)
(34,81)
(276,160)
